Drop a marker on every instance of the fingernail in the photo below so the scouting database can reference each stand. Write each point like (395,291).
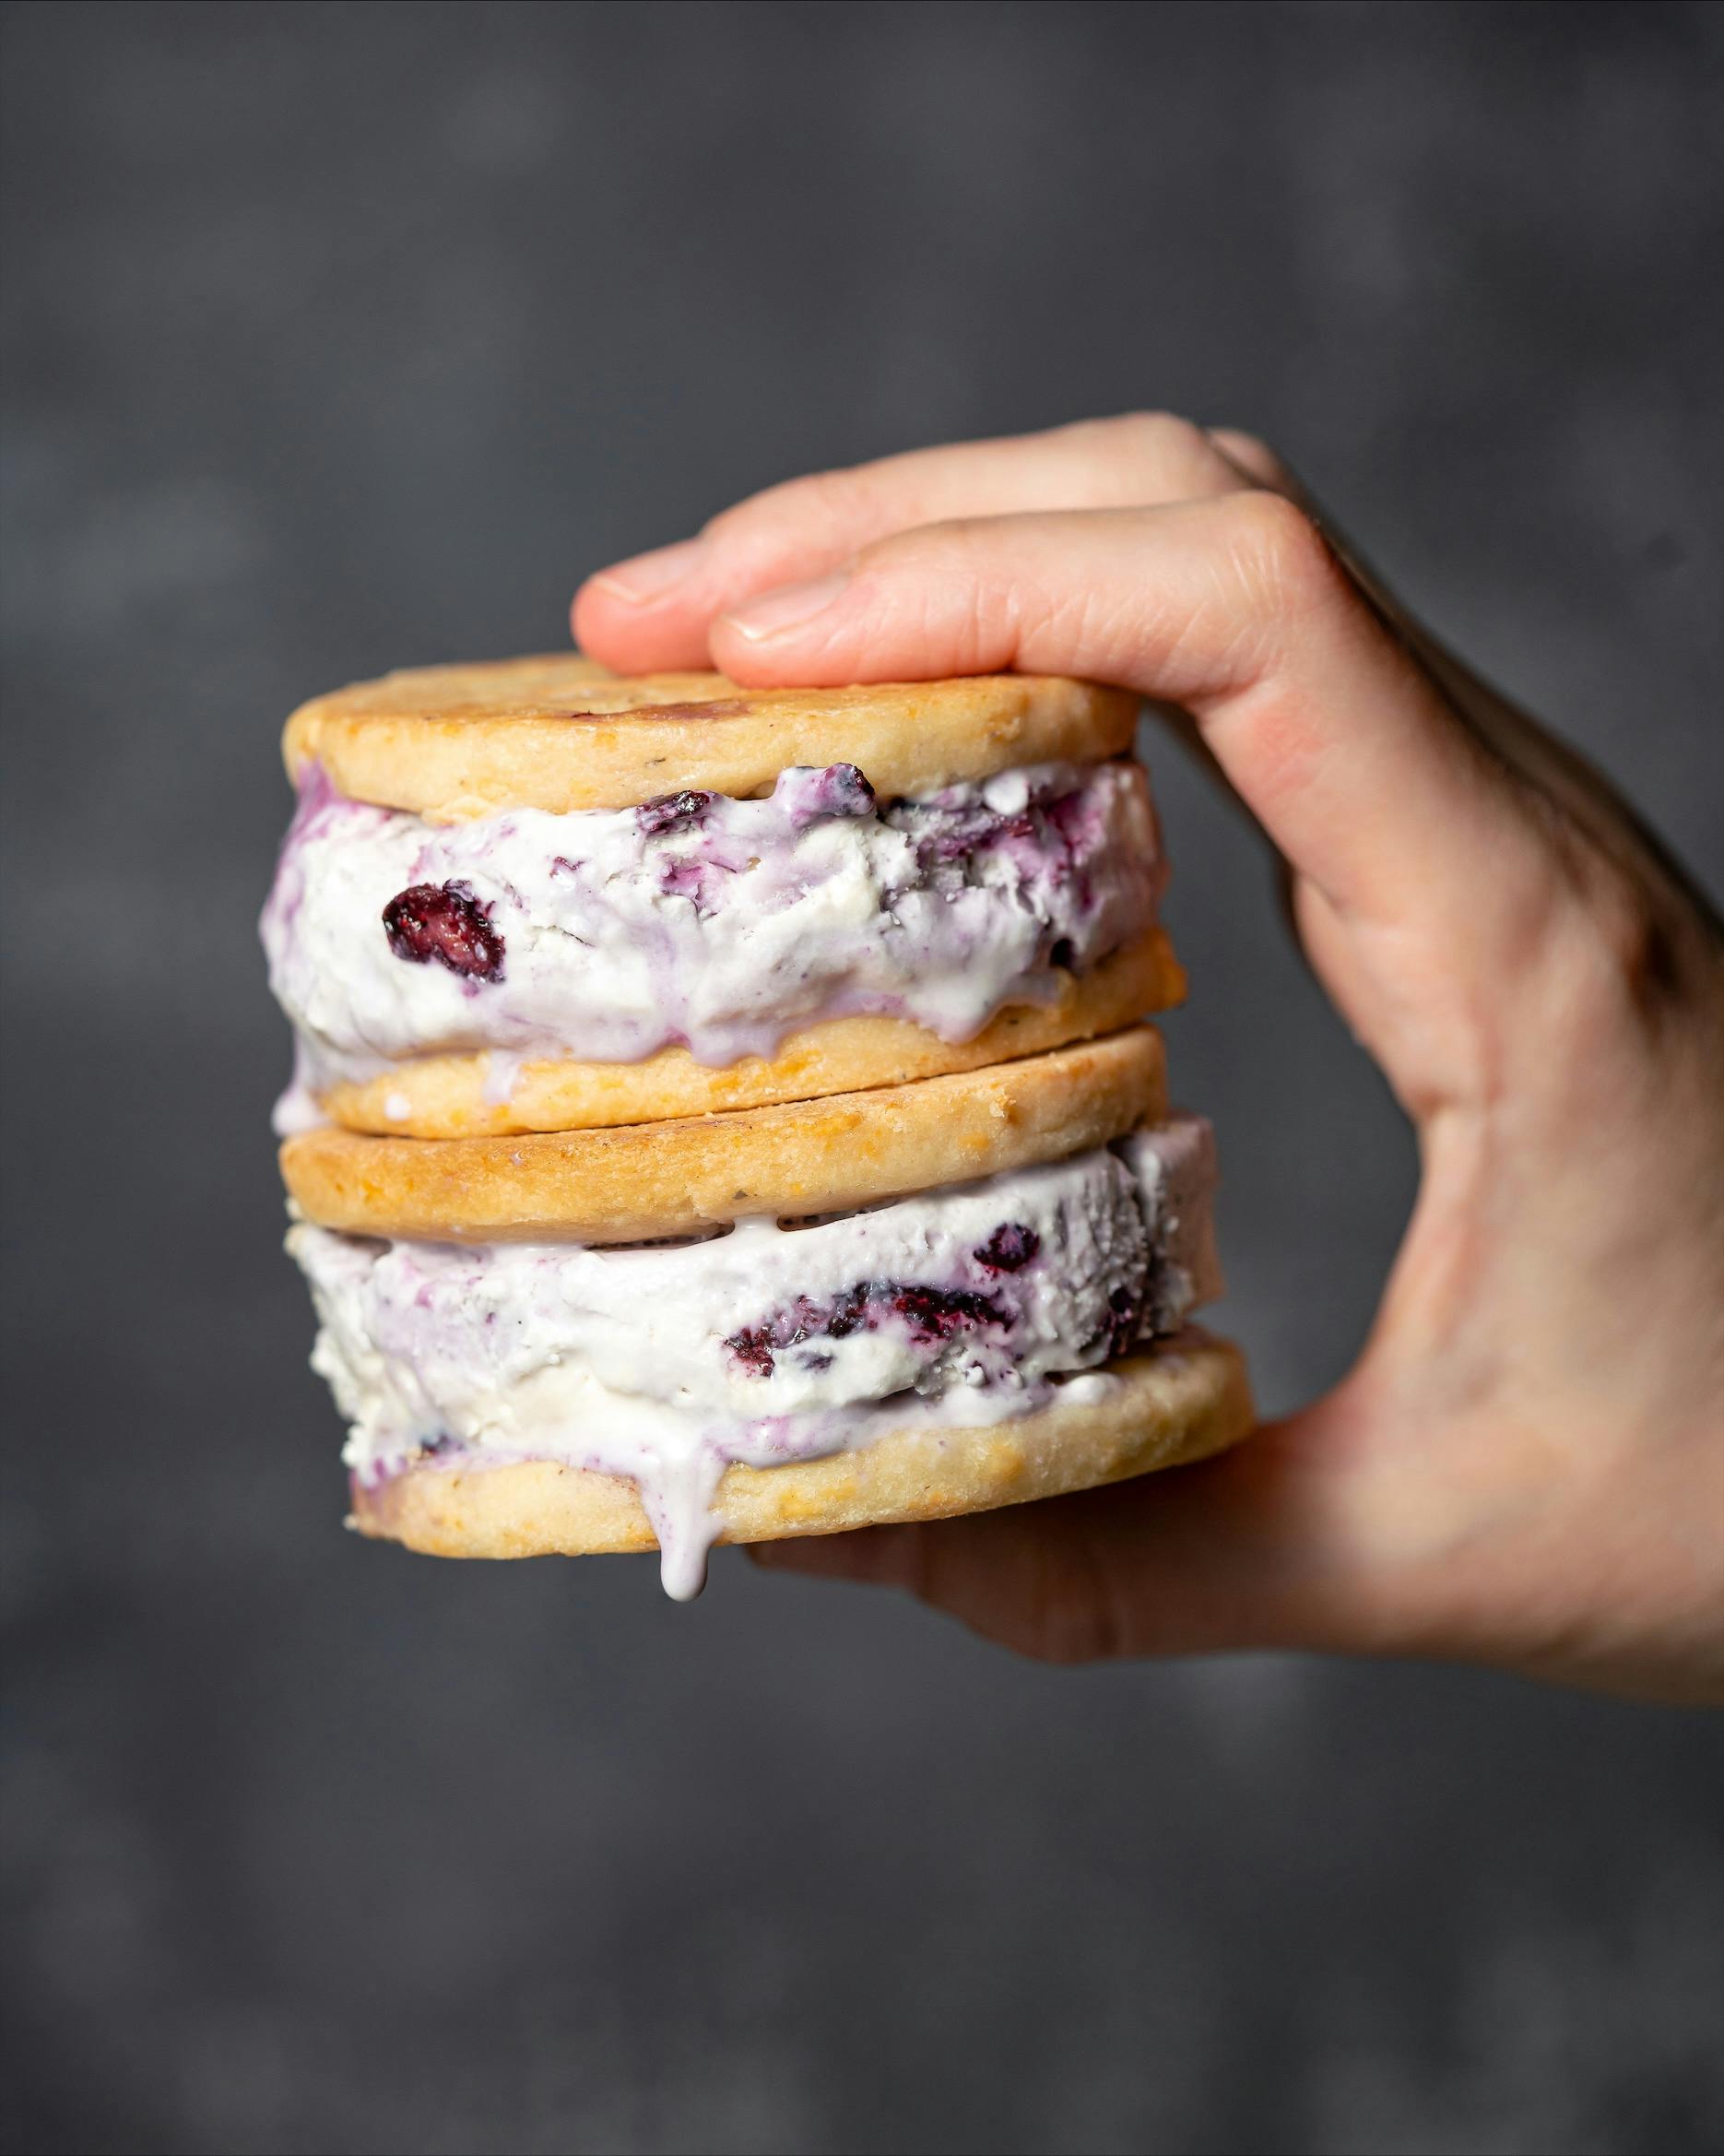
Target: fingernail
(775,612)
(646,578)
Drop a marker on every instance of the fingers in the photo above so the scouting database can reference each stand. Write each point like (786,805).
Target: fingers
(655,611)
(1250,1550)
(1338,741)
(1027,1578)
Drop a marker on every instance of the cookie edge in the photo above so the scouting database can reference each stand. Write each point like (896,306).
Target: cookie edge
(1186,1400)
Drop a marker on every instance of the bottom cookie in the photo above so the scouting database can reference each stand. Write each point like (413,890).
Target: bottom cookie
(1177,1403)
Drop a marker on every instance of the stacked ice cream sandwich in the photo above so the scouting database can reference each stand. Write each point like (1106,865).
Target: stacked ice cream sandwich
(725,1114)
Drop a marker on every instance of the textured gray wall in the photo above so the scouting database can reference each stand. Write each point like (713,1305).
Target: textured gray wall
(345,338)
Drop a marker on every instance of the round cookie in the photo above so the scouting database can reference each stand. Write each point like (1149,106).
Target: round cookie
(1172,1405)
(450,743)
(448,1096)
(640,1182)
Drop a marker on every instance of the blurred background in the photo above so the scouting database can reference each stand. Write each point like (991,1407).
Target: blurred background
(342,337)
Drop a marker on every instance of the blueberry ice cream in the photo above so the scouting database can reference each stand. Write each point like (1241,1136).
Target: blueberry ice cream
(718,924)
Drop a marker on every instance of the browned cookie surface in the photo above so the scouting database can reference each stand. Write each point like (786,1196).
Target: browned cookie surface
(556,733)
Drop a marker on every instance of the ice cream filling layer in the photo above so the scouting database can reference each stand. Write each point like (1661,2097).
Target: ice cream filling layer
(770,1342)
(718,924)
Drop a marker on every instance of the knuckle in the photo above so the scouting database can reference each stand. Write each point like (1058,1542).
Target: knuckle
(832,497)
(1073,1615)
(1042,1600)
(819,501)
(1627,954)
(1617,956)
(1254,445)
(1284,558)
(1162,441)
(1253,453)
(1159,427)
(953,540)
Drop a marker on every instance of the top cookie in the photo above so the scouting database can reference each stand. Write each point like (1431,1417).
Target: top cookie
(451,743)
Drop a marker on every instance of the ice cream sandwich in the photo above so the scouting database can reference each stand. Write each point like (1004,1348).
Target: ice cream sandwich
(520,897)
(721,1114)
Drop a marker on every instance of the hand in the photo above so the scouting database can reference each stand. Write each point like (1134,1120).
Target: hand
(1527,1464)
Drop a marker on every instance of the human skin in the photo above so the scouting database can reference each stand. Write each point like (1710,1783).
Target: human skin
(1526,1465)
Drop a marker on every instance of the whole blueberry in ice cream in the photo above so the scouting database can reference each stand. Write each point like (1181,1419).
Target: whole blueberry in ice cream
(1009,1248)
(842,790)
(448,923)
(753,1349)
(1125,1320)
(667,812)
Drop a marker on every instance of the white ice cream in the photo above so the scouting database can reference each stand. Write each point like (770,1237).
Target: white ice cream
(964,1306)
(724,925)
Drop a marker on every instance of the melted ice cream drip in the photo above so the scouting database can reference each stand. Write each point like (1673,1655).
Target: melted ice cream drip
(959,1307)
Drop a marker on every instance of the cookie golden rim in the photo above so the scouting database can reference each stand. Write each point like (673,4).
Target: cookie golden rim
(638,1181)
(1167,1407)
(450,743)
(444,1096)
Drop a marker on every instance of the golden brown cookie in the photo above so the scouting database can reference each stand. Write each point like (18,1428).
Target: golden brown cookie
(644,1180)
(444,1096)
(1169,1405)
(453,743)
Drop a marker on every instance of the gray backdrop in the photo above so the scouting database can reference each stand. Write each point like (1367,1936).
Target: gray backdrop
(339,338)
